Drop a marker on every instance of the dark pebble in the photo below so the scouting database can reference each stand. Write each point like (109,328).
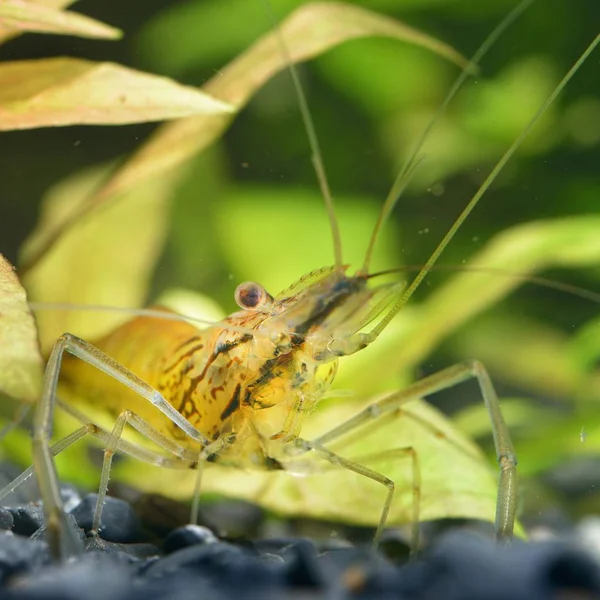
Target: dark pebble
(127,553)
(563,571)
(457,565)
(219,567)
(19,555)
(188,535)
(273,545)
(27,518)
(70,496)
(69,521)
(118,523)
(212,557)
(340,560)
(6,519)
(468,567)
(187,586)
(233,518)
(271,559)
(90,578)
(158,514)
(395,546)
(362,573)
(303,569)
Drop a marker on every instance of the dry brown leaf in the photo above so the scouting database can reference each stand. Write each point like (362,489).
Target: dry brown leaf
(23,16)
(21,364)
(68,91)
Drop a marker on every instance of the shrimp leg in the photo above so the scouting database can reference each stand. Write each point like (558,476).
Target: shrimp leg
(43,460)
(123,446)
(447,378)
(300,446)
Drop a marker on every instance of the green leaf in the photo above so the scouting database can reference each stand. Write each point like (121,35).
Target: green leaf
(311,30)
(68,91)
(202,32)
(497,270)
(585,346)
(22,16)
(529,354)
(299,235)
(21,365)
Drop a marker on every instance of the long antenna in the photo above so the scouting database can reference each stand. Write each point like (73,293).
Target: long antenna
(313,140)
(482,190)
(404,175)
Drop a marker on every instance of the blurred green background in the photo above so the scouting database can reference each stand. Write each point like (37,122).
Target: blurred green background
(251,208)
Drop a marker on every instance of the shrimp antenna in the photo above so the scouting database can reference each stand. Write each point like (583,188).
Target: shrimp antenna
(411,164)
(553,284)
(483,189)
(313,140)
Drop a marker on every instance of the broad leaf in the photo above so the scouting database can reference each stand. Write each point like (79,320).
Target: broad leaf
(299,234)
(456,479)
(68,91)
(308,32)
(21,365)
(105,260)
(525,249)
(22,16)
(8,33)
(531,355)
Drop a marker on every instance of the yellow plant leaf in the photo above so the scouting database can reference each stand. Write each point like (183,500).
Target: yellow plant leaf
(21,365)
(69,91)
(492,274)
(22,16)
(8,33)
(308,32)
(106,260)
(528,249)
(456,479)
(529,354)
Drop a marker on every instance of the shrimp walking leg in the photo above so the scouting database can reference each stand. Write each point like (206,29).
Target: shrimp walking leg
(405,452)
(507,487)
(302,446)
(206,452)
(123,446)
(57,448)
(43,461)
(113,443)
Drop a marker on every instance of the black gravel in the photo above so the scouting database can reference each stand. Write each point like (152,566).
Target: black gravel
(132,561)
(119,523)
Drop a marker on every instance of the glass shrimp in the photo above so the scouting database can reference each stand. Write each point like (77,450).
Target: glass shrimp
(238,392)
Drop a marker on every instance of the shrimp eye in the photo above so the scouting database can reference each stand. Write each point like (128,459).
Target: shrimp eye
(250,295)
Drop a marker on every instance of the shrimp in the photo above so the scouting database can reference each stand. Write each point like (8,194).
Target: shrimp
(238,392)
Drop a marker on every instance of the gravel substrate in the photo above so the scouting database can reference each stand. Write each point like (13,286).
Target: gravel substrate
(137,561)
